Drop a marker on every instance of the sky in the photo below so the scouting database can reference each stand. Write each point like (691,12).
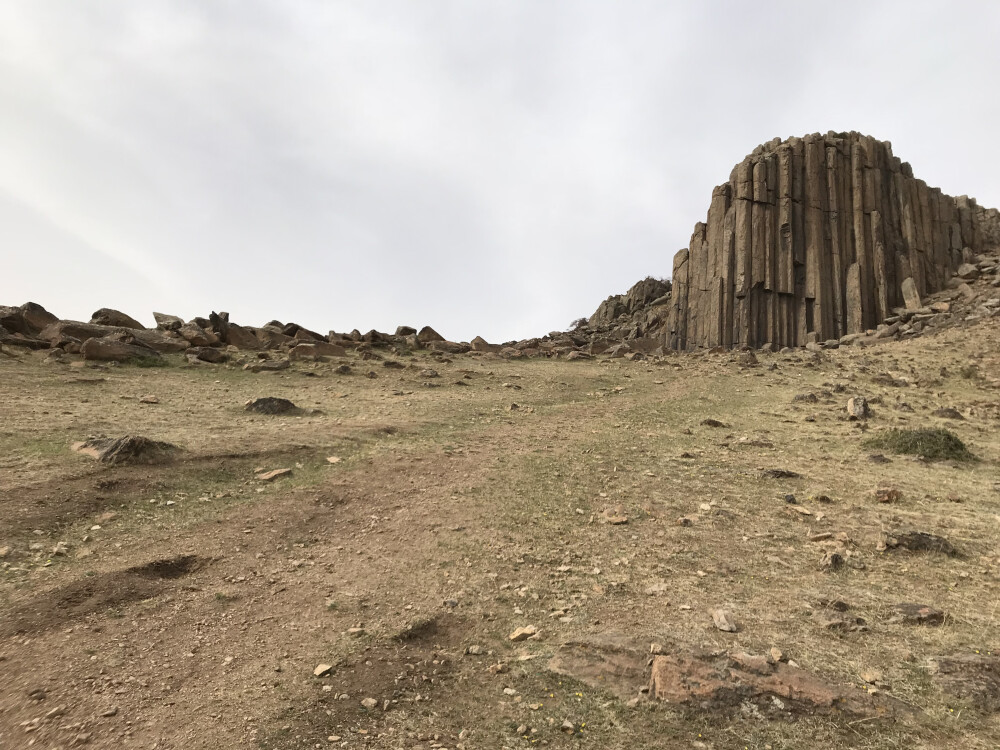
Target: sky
(487,168)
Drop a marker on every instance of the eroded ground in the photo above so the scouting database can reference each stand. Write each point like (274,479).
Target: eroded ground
(187,604)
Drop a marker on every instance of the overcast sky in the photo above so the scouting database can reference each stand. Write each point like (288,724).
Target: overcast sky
(487,168)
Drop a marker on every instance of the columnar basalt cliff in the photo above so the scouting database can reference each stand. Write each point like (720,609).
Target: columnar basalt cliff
(813,238)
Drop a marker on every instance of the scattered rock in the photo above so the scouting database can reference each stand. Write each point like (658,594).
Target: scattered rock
(369,704)
(271,405)
(270,476)
(108,317)
(832,561)
(723,621)
(857,408)
(149,399)
(778,474)
(167,322)
(523,634)
(713,423)
(322,670)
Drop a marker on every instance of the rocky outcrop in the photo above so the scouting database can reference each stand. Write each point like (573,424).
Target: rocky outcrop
(815,238)
(641,311)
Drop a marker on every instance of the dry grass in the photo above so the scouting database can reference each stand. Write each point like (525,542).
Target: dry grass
(497,512)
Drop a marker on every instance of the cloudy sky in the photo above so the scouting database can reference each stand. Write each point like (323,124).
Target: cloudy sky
(488,168)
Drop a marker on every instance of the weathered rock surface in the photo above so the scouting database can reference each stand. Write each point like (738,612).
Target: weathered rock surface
(816,235)
(108,317)
(115,349)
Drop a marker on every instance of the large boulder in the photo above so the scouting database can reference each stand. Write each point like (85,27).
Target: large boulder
(242,338)
(197,336)
(113,349)
(271,337)
(109,317)
(29,319)
(167,322)
(428,334)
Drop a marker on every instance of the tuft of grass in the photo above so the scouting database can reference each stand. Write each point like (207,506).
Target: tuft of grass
(935,444)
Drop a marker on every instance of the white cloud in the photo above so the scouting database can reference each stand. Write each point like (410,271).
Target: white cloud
(488,168)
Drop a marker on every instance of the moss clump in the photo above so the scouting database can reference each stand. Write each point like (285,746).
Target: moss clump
(936,445)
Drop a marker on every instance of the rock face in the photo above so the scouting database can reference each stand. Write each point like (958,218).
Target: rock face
(812,239)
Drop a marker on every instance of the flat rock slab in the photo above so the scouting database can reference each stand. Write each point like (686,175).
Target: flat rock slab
(128,449)
(611,662)
(727,681)
(272,405)
(711,682)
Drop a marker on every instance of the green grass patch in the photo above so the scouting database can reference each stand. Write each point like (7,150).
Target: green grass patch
(936,444)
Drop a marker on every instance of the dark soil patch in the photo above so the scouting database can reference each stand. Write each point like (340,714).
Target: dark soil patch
(98,593)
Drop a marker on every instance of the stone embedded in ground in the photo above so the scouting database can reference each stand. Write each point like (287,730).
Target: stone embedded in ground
(723,620)
(857,408)
(206,354)
(270,476)
(523,633)
(974,677)
(128,449)
(712,423)
(322,670)
(910,613)
(777,474)
(917,541)
(271,405)
(610,662)
(369,703)
(718,682)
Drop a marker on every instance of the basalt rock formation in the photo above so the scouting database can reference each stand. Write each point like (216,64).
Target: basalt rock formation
(814,238)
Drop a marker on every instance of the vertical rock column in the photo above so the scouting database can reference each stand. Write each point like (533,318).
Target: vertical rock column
(813,238)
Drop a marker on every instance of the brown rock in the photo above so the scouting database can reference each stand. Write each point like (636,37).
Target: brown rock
(973,677)
(270,476)
(108,317)
(428,334)
(109,349)
(167,322)
(723,621)
(911,297)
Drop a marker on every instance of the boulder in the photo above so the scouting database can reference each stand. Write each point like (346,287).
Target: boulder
(404,331)
(207,354)
(967,272)
(479,344)
(167,322)
(451,347)
(242,338)
(112,349)
(29,319)
(270,337)
(109,317)
(428,334)
(197,336)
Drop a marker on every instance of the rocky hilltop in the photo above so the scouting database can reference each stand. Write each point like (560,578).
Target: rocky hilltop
(816,238)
